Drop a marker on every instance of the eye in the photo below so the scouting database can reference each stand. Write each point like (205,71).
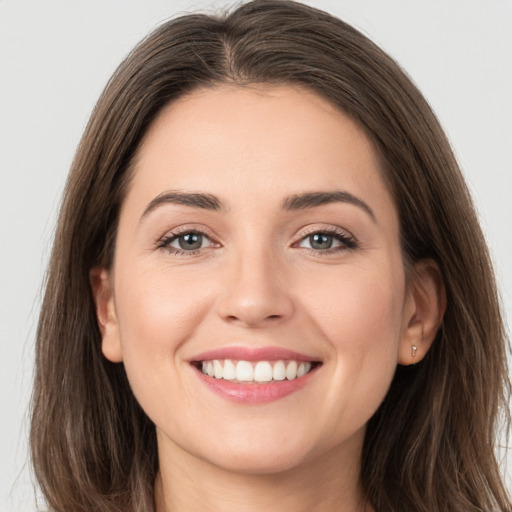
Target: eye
(320,241)
(189,241)
(327,241)
(185,242)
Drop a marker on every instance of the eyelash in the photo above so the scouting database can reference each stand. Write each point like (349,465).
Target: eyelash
(348,241)
(166,241)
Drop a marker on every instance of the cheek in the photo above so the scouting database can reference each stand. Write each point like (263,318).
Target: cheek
(156,315)
(360,316)
(364,301)
(158,310)
(152,298)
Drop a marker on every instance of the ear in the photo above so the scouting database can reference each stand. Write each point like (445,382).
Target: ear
(423,312)
(103,293)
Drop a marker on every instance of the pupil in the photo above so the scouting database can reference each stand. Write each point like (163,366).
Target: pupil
(321,241)
(191,241)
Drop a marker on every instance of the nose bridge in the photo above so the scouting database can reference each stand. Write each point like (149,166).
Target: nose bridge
(256,292)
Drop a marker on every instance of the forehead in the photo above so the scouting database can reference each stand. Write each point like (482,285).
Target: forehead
(271,140)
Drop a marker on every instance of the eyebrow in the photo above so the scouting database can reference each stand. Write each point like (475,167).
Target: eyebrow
(195,200)
(294,202)
(312,199)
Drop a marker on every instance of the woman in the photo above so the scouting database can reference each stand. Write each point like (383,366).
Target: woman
(268,288)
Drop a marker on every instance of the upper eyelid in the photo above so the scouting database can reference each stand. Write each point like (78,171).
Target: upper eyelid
(189,228)
(331,230)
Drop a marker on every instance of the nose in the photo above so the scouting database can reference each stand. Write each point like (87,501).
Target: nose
(256,292)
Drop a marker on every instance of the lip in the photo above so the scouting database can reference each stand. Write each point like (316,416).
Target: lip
(251,392)
(253,354)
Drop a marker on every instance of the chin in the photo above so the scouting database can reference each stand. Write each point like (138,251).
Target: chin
(250,453)
(260,463)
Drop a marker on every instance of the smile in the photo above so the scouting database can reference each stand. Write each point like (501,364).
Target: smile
(252,375)
(256,371)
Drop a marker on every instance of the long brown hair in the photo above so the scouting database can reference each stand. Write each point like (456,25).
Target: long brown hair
(430,446)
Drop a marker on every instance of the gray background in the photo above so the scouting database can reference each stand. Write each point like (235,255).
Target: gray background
(55,58)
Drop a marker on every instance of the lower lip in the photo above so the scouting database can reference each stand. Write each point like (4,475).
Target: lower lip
(254,393)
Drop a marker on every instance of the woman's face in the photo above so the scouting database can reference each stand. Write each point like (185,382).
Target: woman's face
(257,241)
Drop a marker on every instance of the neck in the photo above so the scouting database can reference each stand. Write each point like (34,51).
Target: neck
(189,484)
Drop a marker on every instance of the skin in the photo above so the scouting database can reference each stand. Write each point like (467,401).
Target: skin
(256,282)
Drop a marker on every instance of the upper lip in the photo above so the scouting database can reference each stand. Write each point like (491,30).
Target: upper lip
(253,354)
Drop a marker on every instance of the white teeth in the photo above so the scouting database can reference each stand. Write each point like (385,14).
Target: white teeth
(244,371)
(229,370)
(291,370)
(217,369)
(279,372)
(303,369)
(262,371)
